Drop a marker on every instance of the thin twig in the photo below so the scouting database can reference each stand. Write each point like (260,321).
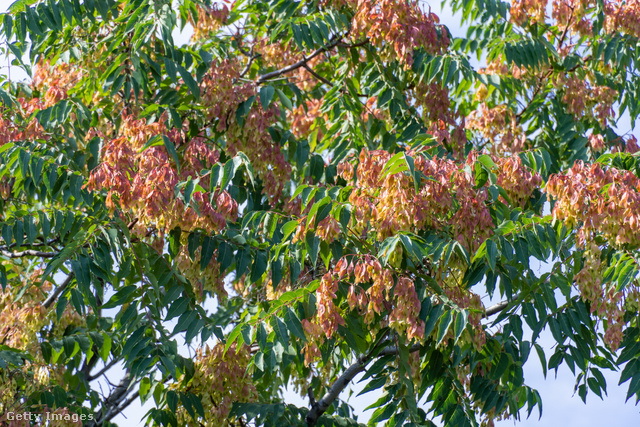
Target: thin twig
(56,293)
(265,77)
(316,75)
(103,370)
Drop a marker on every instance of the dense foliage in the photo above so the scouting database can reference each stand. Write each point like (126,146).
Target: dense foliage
(307,191)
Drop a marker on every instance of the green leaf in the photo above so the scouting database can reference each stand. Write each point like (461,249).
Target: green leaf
(20,5)
(259,266)
(234,336)
(284,99)
(294,324)
(171,149)
(492,253)
(282,335)
(225,256)
(432,319)
(266,96)
(243,260)
(486,161)
(312,242)
(190,82)
(445,322)
(208,247)
(460,323)
(228,173)
(288,228)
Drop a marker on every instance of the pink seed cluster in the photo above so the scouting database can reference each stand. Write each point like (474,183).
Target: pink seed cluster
(605,301)
(622,15)
(209,20)
(144,180)
(372,292)
(584,99)
(518,181)
(446,200)
(222,96)
(219,381)
(598,201)
(499,126)
(399,27)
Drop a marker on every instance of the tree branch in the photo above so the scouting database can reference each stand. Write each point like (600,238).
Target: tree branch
(358,44)
(32,245)
(496,308)
(122,407)
(251,57)
(28,252)
(112,402)
(56,293)
(103,370)
(263,78)
(318,408)
(316,75)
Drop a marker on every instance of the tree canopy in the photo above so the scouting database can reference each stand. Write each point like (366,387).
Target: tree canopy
(311,190)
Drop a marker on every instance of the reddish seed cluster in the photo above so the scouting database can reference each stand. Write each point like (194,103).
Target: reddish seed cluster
(471,223)
(144,180)
(605,301)
(453,141)
(301,121)
(596,142)
(328,316)
(10,131)
(371,301)
(598,201)
(578,16)
(202,281)
(399,27)
(219,381)
(498,125)
(22,324)
(518,181)
(406,310)
(627,144)
(445,200)
(315,336)
(328,229)
(587,100)
(372,292)
(631,145)
(528,11)
(55,81)
(622,15)
(573,14)
(435,103)
(209,21)
(499,67)
(222,96)
(23,320)
(370,110)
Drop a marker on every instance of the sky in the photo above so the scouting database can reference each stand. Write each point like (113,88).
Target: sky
(561,407)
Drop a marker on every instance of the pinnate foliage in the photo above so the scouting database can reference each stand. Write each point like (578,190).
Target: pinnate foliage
(308,191)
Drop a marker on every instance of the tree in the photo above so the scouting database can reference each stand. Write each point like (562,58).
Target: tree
(307,191)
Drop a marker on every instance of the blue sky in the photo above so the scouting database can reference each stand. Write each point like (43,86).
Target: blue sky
(561,406)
